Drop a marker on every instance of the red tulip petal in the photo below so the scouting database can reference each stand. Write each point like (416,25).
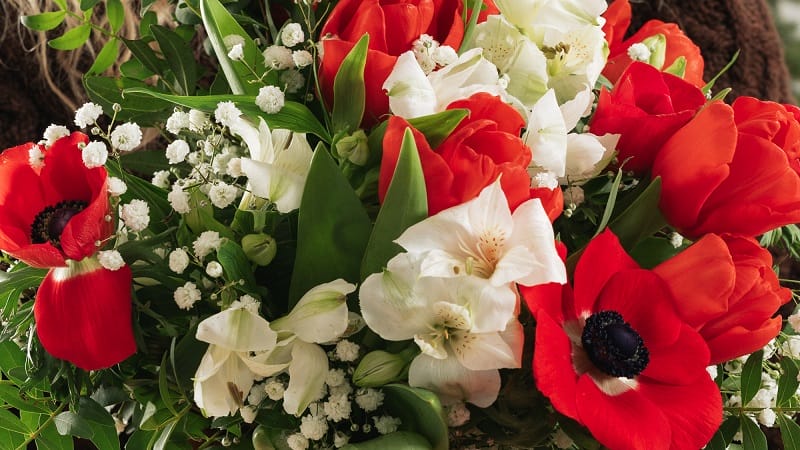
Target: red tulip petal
(552,366)
(618,20)
(701,279)
(629,421)
(603,257)
(738,341)
(408,22)
(694,411)
(484,106)
(85,318)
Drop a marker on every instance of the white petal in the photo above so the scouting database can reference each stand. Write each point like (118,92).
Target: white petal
(237,329)
(222,382)
(454,382)
(546,135)
(578,107)
(321,314)
(483,351)
(533,231)
(493,306)
(587,155)
(410,93)
(272,182)
(470,74)
(307,373)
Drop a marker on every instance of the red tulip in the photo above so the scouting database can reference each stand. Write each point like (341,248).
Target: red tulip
(726,289)
(646,107)
(485,145)
(392,27)
(626,368)
(732,170)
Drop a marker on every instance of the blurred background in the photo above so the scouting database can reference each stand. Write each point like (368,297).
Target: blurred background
(787,20)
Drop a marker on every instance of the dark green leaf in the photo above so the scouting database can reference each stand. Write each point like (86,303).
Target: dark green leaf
(751,376)
(104,433)
(156,198)
(142,109)
(790,432)
(641,219)
(163,386)
(11,356)
(787,383)
(47,437)
(12,396)
(108,54)
(612,200)
(148,18)
(146,55)
(752,436)
(237,267)
(178,54)
(652,251)
(436,127)
(405,204)
(723,437)
(23,277)
(145,162)
(219,23)
(333,229)
(115,13)
(163,437)
(420,411)
(88,4)
(10,422)
(73,38)
(348,89)
(404,440)
(44,21)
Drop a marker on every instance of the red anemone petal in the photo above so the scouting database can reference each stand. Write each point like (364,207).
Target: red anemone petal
(85,318)
(628,421)
(552,366)
(680,363)
(65,176)
(603,257)
(86,228)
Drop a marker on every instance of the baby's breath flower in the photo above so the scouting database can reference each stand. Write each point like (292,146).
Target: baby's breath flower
(87,114)
(176,151)
(116,187)
(337,408)
(234,167)
(302,58)
(313,427)
(161,179)
(136,215)
(95,154)
(53,133)
(177,122)
(297,441)
(444,55)
(256,394)
(179,199)
(369,399)
(270,99)
(278,57)
(237,52)
(178,260)
(340,439)
(198,120)
(126,137)
(346,350)
(386,424)
(248,413)
(794,321)
(457,414)
(766,417)
(226,113)
(187,295)
(222,194)
(232,40)
(110,259)
(205,243)
(214,269)
(335,377)
(292,34)
(274,389)
(36,157)
(292,80)
(639,52)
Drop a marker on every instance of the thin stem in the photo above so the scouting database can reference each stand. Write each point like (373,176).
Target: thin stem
(32,437)
(742,409)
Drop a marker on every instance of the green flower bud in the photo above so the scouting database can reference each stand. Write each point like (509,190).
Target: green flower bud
(354,148)
(378,368)
(657,44)
(259,248)
(261,440)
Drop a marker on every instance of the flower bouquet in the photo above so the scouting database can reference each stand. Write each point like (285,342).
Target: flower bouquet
(398,225)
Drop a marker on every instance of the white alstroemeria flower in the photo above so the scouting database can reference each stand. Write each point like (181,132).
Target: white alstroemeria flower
(575,59)
(534,17)
(278,165)
(587,156)
(413,94)
(465,327)
(482,238)
(223,378)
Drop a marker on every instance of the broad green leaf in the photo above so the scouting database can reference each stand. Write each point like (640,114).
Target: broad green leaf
(142,109)
(219,23)
(348,89)
(10,422)
(788,382)
(237,266)
(104,433)
(332,231)
(88,4)
(73,38)
(751,376)
(145,161)
(652,251)
(641,219)
(179,57)
(146,55)
(752,436)
(62,4)
(108,54)
(405,204)
(44,21)
(790,432)
(723,437)
(11,356)
(293,116)
(163,437)
(12,396)
(139,440)
(404,440)
(201,217)
(420,411)
(23,277)
(47,437)
(148,18)
(436,127)
(156,198)
(116,14)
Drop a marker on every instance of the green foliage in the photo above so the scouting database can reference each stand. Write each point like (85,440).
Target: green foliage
(348,89)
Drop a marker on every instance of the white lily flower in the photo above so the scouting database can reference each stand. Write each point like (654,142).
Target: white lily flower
(575,59)
(413,94)
(587,156)
(223,377)
(482,238)
(321,315)
(307,373)
(533,17)
(278,165)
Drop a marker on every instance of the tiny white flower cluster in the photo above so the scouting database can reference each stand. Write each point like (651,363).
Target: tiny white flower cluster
(431,55)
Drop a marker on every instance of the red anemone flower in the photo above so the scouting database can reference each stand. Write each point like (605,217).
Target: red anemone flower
(53,214)
(612,353)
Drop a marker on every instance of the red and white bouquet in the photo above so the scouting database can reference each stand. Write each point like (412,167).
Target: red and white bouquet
(399,224)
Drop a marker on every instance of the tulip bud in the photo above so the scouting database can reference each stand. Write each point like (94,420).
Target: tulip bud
(259,248)
(378,368)
(354,148)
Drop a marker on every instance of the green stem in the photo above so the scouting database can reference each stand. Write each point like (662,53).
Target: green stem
(32,437)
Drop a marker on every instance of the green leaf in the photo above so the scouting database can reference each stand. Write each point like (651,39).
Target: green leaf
(348,89)
(405,204)
(88,4)
(108,54)
(293,116)
(156,198)
(420,411)
(146,55)
(332,229)
(612,200)
(219,23)
(44,21)
(404,440)
(652,251)
(752,436)
(751,376)
(163,437)
(163,385)
(436,127)
(11,357)
(12,396)
(100,422)
(116,14)
(142,109)
(723,437)
(790,432)
(47,437)
(237,266)
(10,422)
(73,38)
(641,219)
(23,277)
(787,383)
(179,57)
(148,18)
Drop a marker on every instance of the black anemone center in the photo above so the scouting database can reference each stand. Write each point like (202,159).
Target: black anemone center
(613,346)
(50,222)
